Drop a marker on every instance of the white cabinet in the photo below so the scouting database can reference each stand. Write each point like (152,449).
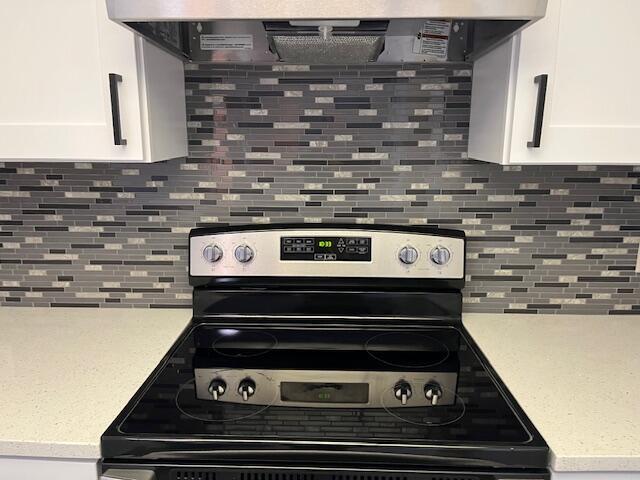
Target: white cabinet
(25,468)
(587,50)
(56,58)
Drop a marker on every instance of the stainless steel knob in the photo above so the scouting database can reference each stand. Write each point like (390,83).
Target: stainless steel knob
(212,253)
(433,392)
(440,255)
(402,392)
(243,253)
(247,388)
(408,255)
(217,387)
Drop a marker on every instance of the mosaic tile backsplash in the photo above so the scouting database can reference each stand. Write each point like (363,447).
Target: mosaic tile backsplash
(364,144)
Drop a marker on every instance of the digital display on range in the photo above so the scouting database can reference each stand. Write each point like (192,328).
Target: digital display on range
(326,249)
(324,392)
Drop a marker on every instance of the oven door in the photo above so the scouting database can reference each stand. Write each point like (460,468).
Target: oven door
(188,471)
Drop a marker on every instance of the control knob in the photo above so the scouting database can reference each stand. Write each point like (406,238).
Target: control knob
(408,255)
(217,387)
(247,388)
(433,392)
(212,253)
(440,255)
(402,391)
(243,253)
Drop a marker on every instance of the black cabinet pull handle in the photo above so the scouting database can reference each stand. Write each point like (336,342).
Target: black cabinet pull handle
(541,80)
(114,78)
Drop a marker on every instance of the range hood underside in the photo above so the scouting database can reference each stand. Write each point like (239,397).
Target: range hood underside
(190,29)
(468,39)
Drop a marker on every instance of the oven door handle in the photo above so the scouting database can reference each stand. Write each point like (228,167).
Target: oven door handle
(127,474)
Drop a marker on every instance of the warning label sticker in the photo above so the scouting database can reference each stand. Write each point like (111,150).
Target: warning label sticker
(433,39)
(226,42)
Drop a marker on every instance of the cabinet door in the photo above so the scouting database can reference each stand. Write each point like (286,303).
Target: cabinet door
(28,468)
(56,56)
(492,94)
(592,110)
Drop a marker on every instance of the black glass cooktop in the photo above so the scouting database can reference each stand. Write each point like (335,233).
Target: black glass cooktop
(476,421)
(479,412)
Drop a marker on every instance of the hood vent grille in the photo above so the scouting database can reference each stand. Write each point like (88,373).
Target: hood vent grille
(326,43)
(335,50)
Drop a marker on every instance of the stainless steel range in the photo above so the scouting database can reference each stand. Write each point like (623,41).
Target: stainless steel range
(324,352)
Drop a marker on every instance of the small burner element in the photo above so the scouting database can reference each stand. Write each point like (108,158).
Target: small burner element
(217,412)
(232,342)
(427,417)
(407,350)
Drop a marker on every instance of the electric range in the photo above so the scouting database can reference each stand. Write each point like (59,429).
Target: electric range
(324,352)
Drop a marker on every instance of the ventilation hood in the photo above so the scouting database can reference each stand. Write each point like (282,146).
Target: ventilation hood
(326,31)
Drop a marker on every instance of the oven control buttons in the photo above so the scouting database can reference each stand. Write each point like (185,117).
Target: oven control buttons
(433,392)
(402,391)
(440,255)
(217,387)
(247,388)
(244,253)
(408,255)
(212,253)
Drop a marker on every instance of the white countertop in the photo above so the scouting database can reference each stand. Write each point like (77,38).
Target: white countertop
(68,372)
(578,380)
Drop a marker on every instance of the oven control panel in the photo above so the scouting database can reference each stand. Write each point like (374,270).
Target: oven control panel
(327,252)
(326,249)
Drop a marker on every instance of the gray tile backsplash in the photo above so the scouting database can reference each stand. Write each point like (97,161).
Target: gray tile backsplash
(365,144)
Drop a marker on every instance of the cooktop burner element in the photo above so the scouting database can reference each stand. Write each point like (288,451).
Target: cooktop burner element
(232,342)
(430,417)
(406,350)
(304,356)
(187,404)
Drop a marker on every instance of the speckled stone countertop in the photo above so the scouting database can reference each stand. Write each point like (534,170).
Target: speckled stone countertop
(578,380)
(68,372)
